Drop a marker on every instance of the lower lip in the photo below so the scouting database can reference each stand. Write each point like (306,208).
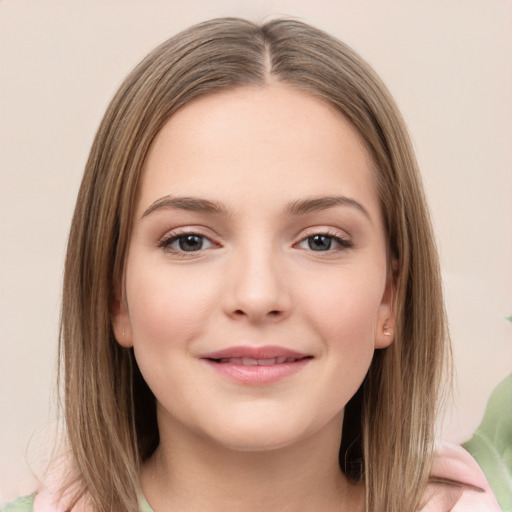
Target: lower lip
(264,374)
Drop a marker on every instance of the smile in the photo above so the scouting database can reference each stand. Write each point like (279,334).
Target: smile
(256,366)
(249,361)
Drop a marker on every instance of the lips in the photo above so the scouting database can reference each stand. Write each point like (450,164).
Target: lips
(250,361)
(261,365)
(258,353)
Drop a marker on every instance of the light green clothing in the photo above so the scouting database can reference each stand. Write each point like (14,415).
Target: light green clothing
(144,505)
(26,504)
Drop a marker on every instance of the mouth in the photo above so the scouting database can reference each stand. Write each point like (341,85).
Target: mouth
(257,366)
(250,361)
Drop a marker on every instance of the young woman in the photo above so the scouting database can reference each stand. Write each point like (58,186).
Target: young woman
(252,312)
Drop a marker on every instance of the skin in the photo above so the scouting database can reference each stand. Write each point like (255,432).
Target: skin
(228,445)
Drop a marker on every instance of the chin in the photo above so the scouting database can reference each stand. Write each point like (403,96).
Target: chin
(253,436)
(261,443)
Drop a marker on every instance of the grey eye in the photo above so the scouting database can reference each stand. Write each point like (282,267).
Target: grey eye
(189,243)
(325,242)
(319,242)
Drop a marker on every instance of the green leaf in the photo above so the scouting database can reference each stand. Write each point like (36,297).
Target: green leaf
(491,444)
(509,318)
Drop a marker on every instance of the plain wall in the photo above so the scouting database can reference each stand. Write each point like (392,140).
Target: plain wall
(449,65)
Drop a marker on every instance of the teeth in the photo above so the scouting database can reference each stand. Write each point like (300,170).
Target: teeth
(249,361)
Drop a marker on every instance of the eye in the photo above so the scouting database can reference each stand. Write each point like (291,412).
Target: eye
(322,242)
(186,242)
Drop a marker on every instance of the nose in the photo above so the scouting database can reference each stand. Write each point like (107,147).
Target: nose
(258,288)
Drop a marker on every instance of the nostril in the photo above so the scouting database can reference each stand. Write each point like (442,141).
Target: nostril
(274,312)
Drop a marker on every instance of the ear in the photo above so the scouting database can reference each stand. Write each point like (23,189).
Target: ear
(386,319)
(121,322)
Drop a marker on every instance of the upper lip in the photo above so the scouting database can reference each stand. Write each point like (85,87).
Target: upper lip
(265,352)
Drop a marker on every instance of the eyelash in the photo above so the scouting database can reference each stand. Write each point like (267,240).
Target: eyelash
(343,243)
(166,242)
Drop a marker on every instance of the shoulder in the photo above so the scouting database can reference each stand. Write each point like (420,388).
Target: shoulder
(25,504)
(457,483)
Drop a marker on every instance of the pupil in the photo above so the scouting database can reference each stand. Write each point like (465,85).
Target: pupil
(190,243)
(319,243)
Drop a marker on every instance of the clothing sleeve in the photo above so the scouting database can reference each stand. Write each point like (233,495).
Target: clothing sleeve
(458,484)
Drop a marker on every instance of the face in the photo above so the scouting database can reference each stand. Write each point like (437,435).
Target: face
(256,277)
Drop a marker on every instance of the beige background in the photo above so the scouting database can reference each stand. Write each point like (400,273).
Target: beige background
(448,63)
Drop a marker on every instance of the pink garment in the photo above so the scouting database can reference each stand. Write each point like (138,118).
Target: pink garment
(452,463)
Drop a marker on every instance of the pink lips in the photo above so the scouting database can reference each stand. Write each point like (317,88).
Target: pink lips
(256,365)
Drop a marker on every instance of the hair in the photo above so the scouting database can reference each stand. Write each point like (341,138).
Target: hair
(110,413)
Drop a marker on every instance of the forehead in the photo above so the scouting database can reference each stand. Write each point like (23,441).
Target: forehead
(274,138)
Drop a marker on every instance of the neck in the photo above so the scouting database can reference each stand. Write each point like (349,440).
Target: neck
(191,473)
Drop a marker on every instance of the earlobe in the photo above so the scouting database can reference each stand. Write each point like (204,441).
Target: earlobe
(385,328)
(384,335)
(121,323)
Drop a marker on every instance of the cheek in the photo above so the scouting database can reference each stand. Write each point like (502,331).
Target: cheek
(345,317)
(167,305)
(168,309)
(347,305)
(344,313)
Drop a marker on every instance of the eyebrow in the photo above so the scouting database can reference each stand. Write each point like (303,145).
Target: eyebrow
(191,204)
(298,207)
(316,204)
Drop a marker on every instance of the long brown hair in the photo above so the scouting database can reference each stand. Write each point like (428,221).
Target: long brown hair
(109,410)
